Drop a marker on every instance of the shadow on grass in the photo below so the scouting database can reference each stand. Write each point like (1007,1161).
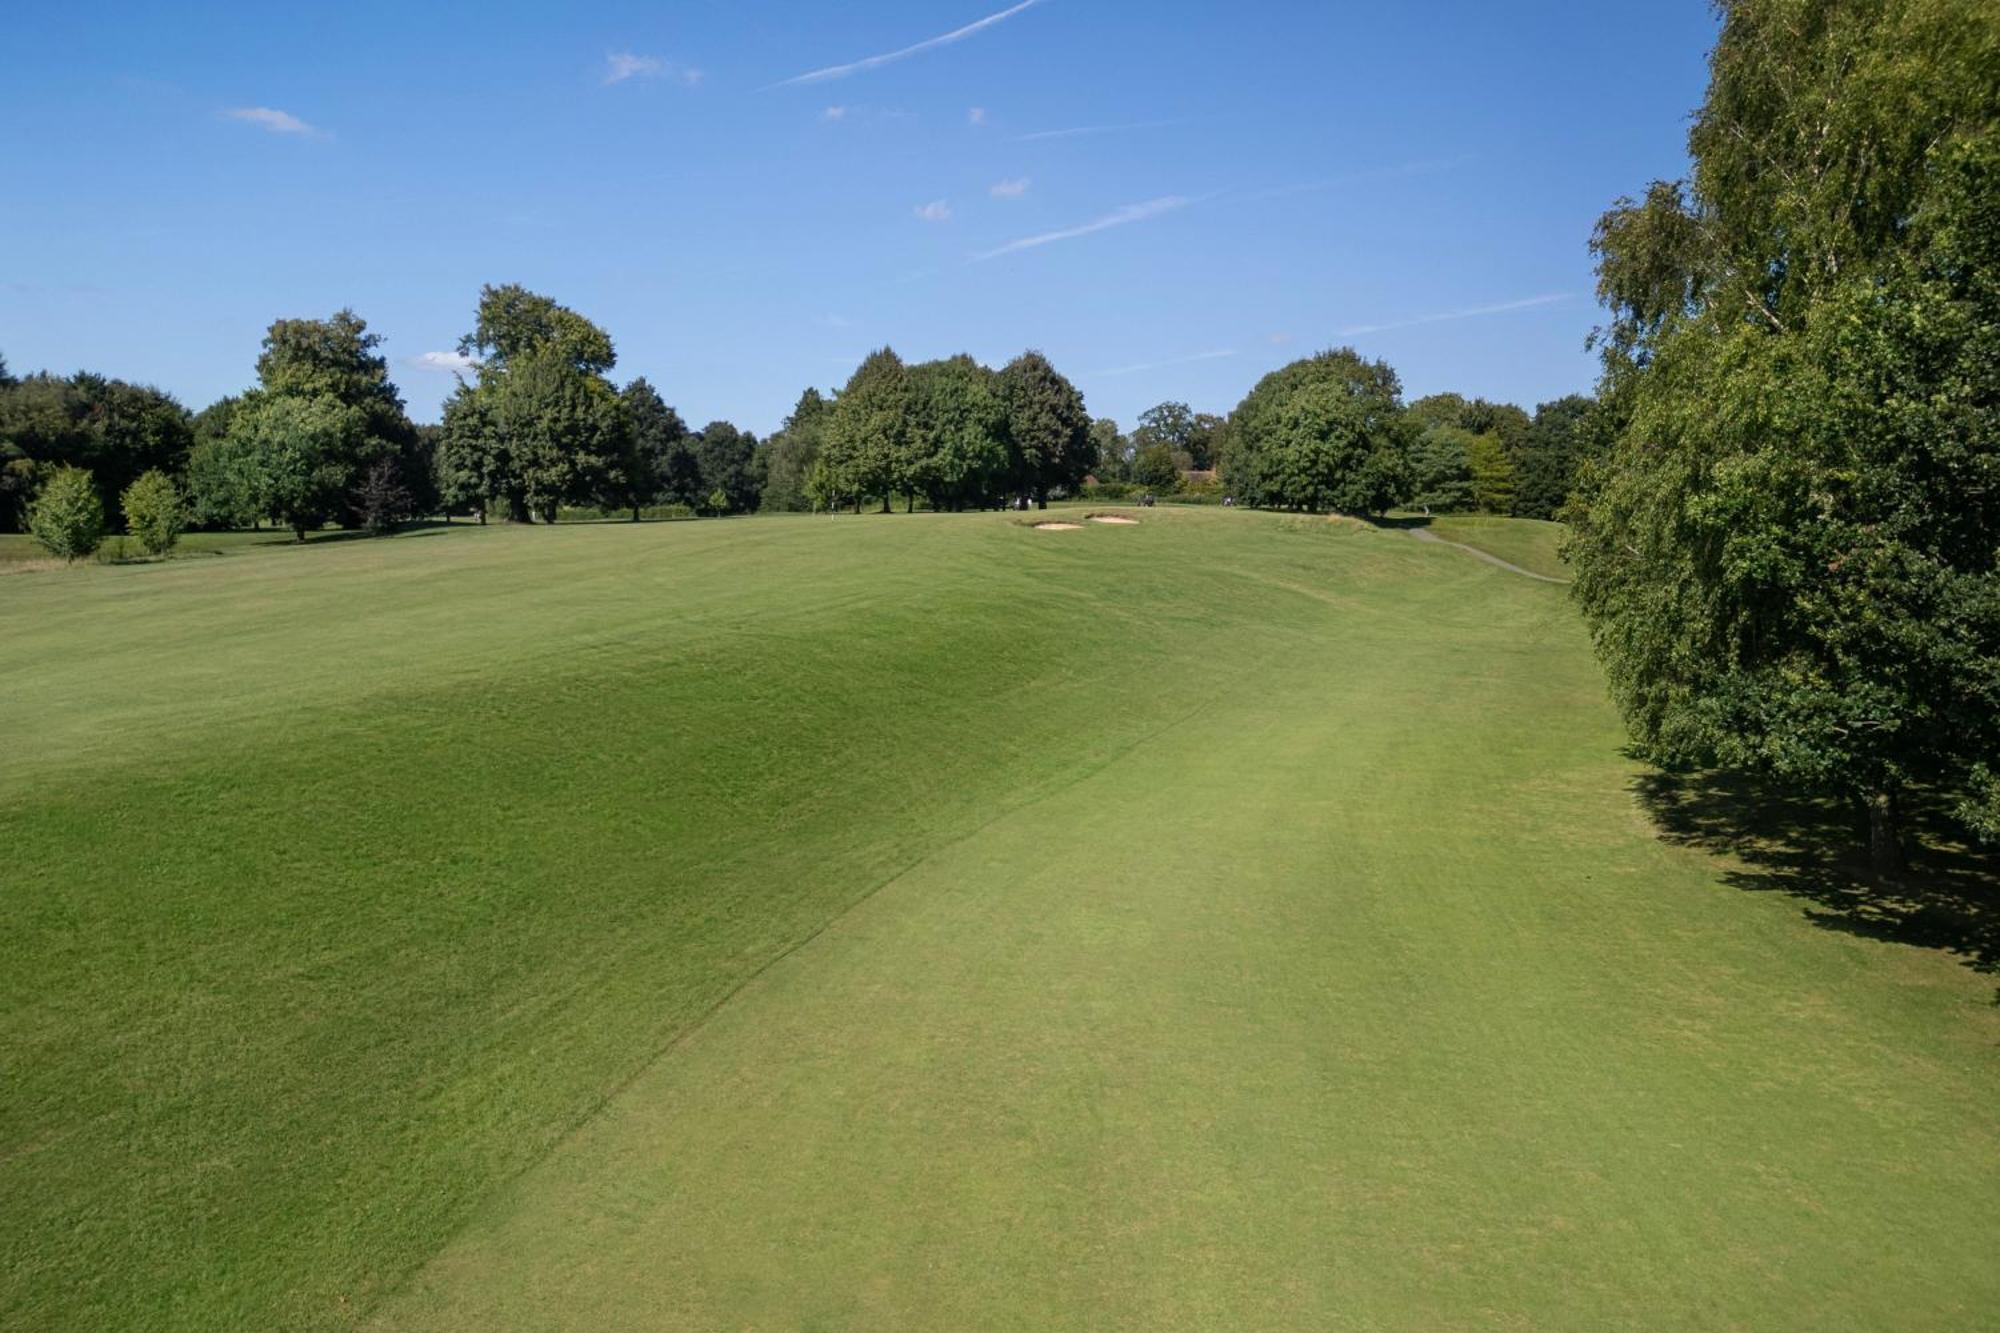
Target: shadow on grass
(1813,850)
(1400,522)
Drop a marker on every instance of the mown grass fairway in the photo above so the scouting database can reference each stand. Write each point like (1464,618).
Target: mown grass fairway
(1226,921)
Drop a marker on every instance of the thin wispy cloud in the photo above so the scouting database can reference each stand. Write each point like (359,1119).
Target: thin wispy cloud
(890,57)
(1122,217)
(454,363)
(937,210)
(1470,312)
(834,113)
(1216,355)
(1081,131)
(1419,168)
(975,115)
(622,65)
(274,121)
(1012,189)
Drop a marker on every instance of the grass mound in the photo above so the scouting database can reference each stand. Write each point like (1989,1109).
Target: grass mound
(898,922)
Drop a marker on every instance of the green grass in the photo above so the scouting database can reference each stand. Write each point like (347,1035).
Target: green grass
(1233,920)
(1527,542)
(19,552)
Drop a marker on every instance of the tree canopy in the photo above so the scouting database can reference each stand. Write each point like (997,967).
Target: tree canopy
(791,453)
(958,443)
(1788,558)
(1327,432)
(512,322)
(112,430)
(1564,433)
(868,437)
(541,427)
(1047,427)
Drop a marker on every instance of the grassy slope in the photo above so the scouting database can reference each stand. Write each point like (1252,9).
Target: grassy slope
(1527,542)
(1264,947)
(18,549)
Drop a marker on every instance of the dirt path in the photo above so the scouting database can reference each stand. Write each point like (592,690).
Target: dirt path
(1425,535)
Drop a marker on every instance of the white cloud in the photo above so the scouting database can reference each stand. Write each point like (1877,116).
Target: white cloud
(622,65)
(976,115)
(834,113)
(270,118)
(937,210)
(1471,312)
(1277,339)
(1216,355)
(1012,189)
(929,44)
(1079,131)
(454,363)
(1152,208)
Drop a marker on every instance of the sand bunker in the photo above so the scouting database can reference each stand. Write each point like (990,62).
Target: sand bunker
(1112,518)
(1058,527)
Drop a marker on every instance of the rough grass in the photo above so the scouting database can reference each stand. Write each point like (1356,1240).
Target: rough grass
(1527,542)
(919,921)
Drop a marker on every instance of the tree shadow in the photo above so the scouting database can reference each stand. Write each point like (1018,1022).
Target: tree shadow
(1814,850)
(1400,522)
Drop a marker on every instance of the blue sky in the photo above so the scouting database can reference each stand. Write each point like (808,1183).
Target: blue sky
(1170,199)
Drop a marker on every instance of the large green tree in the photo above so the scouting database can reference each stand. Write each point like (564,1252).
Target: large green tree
(868,435)
(1441,469)
(541,427)
(959,434)
(301,456)
(791,453)
(1563,435)
(1048,428)
(512,321)
(638,476)
(1114,449)
(727,458)
(335,357)
(1324,433)
(298,446)
(1788,558)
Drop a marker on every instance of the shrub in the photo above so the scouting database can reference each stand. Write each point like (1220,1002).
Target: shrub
(67,518)
(155,512)
(380,500)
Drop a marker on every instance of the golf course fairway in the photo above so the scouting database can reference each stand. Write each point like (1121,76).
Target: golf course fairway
(1224,920)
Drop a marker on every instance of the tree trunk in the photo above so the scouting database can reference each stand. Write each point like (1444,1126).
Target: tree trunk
(910,503)
(1885,842)
(635,513)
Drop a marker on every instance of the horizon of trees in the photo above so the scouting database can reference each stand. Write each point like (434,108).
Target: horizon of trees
(538,428)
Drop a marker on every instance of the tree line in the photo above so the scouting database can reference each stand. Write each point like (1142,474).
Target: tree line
(1332,432)
(538,428)
(324,438)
